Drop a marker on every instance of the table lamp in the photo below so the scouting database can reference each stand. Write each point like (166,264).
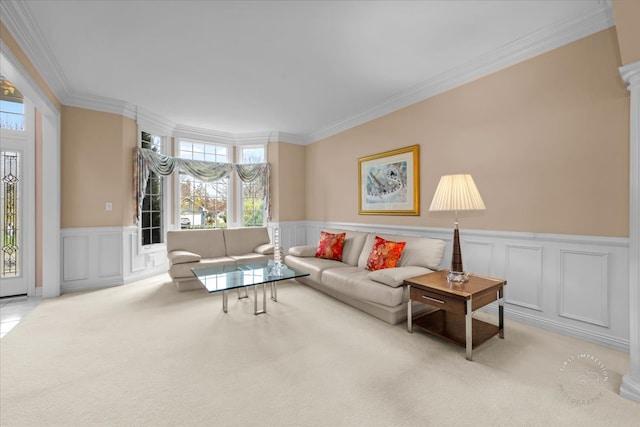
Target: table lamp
(456,193)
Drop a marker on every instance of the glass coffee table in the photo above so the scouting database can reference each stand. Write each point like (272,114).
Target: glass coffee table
(223,278)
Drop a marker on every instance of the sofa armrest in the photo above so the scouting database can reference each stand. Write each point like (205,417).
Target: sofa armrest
(181,257)
(303,251)
(265,249)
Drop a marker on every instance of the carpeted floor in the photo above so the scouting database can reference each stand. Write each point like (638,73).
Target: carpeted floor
(145,355)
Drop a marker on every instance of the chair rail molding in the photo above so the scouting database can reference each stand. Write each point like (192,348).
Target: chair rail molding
(630,387)
(542,273)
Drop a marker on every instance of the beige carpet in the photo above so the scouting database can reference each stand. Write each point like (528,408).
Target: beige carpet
(145,355)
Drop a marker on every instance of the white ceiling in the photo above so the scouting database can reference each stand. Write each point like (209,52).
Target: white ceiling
(300,68)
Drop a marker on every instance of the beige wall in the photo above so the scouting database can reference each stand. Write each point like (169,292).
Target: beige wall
(547,141)
(627,17)
(96,157)
(287,181)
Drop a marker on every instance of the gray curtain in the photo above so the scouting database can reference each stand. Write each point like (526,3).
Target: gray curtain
(147,161)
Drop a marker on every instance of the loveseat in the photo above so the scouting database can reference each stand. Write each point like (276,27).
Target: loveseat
(380,292)
(187,249)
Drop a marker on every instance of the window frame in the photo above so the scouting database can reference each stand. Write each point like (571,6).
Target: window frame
(235,215)
(166,198)
(177,186)
(238,188)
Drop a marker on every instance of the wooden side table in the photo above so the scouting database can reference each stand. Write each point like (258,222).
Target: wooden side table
(456,303)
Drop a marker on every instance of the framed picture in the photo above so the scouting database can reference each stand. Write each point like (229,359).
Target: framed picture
(389,183)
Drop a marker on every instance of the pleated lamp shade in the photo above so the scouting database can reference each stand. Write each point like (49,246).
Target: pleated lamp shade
(457,193)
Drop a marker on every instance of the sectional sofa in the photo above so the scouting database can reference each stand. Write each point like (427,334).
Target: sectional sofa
(381,292)
(200,248)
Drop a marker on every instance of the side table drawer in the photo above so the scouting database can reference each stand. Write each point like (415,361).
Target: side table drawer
(437,300)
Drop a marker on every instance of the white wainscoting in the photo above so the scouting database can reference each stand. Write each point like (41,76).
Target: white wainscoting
(574,285)
(100,257)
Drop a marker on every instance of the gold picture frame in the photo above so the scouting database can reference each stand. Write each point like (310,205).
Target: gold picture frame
(389,182)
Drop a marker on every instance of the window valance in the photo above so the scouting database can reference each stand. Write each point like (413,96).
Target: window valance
(147,161)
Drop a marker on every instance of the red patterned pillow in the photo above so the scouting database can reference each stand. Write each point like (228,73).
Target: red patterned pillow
(384,254)
(330,246)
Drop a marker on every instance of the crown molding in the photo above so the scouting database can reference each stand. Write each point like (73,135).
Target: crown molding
(16,71)
(630,73)
(20,23)
(290,138)
(541,41)
(100,103)
(154,123)
(17,18)
(247,138)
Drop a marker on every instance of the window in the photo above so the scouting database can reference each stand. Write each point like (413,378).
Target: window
(253,192)
(203,204)
(11,106)
(152,222)
(224,203)
(11,182)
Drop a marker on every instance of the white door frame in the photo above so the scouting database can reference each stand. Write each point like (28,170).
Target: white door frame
(24,143)
(49,176)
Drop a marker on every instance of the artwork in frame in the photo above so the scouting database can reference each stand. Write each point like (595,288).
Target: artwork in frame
(389,182)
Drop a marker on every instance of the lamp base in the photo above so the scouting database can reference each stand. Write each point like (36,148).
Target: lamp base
(457,277)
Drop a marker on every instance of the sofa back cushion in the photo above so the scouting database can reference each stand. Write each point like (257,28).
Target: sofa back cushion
(241,241)
(418,251)
(206,243)
(352,247)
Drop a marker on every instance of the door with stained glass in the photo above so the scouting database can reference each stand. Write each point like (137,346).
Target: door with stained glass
(14,143)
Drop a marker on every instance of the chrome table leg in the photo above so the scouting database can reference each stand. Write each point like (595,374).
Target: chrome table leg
(469,332)
(264,299)
(501,312)
(409,315)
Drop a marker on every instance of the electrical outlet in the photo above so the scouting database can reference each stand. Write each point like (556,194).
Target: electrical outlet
(108,206)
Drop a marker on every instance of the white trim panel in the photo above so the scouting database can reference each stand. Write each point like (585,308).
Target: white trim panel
(584,286)
(524,272)
(100,257)
(571,284)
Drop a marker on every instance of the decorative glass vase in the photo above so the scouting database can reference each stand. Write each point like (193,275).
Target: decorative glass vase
(277,256)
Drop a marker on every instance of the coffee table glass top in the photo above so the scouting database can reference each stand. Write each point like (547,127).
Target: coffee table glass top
(224,277)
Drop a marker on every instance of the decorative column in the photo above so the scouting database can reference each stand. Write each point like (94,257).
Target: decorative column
(630,387)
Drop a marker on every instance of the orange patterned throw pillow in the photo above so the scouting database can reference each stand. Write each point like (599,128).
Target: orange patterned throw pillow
(384,254)
(330,246)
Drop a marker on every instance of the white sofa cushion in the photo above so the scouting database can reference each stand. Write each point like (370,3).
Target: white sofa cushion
(184,270)
(303,251)
(353,282)
(265,249)
(180,257)
(423,252)
(209,243)
(241,241)
(395,277)
(312,265)
(418,251)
